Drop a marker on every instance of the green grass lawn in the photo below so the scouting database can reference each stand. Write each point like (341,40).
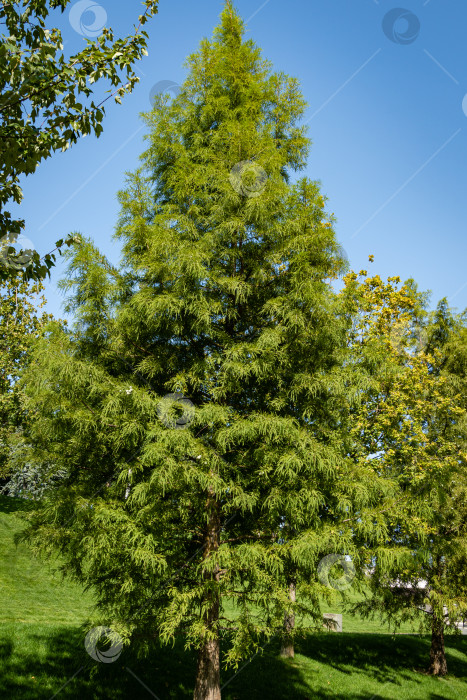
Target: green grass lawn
(42,655)
(350,623)
(33,591)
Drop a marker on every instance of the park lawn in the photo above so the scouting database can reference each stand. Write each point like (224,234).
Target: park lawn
(38,659)
(34,591)
(42,655)
(37,593)
(350,623)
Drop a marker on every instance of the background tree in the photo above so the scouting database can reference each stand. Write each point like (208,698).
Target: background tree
(46,105)
(413,427)
(21,323)
(223,296)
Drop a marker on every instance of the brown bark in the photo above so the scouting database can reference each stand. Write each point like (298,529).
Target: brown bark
(438,665)
(287,647)
(208,681)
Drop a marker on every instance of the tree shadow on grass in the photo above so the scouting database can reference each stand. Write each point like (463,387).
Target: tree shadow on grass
(388,662)
(374,655)
(42,662)
(379,654)
(11,504)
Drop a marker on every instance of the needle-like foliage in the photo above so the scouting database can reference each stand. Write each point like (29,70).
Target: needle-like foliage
(190,515)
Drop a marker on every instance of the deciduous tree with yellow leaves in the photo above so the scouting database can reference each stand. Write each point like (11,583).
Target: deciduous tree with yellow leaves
(413,429)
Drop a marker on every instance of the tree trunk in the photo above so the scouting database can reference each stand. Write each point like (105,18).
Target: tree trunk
(287,648)
(438,665)
(208,680)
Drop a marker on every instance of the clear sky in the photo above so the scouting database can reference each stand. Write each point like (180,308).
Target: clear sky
(387,116)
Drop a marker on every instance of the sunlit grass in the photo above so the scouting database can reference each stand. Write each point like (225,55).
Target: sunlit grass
(42,651)
(33,590)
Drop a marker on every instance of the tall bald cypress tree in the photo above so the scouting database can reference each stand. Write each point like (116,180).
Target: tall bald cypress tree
(223,297)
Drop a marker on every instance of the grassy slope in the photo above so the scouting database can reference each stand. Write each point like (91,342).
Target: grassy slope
(41,648)
(350,623)
(35,593)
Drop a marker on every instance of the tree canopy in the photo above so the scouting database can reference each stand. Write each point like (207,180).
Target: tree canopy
(47,103)
(412,425)
(21,324)
(222,423)
(223,297)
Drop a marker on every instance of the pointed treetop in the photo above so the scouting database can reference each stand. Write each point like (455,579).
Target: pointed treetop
(231,26)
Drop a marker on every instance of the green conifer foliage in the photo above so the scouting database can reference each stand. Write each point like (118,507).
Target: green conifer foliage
(175,511)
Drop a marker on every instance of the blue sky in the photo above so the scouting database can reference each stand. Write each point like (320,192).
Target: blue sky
(386,115)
